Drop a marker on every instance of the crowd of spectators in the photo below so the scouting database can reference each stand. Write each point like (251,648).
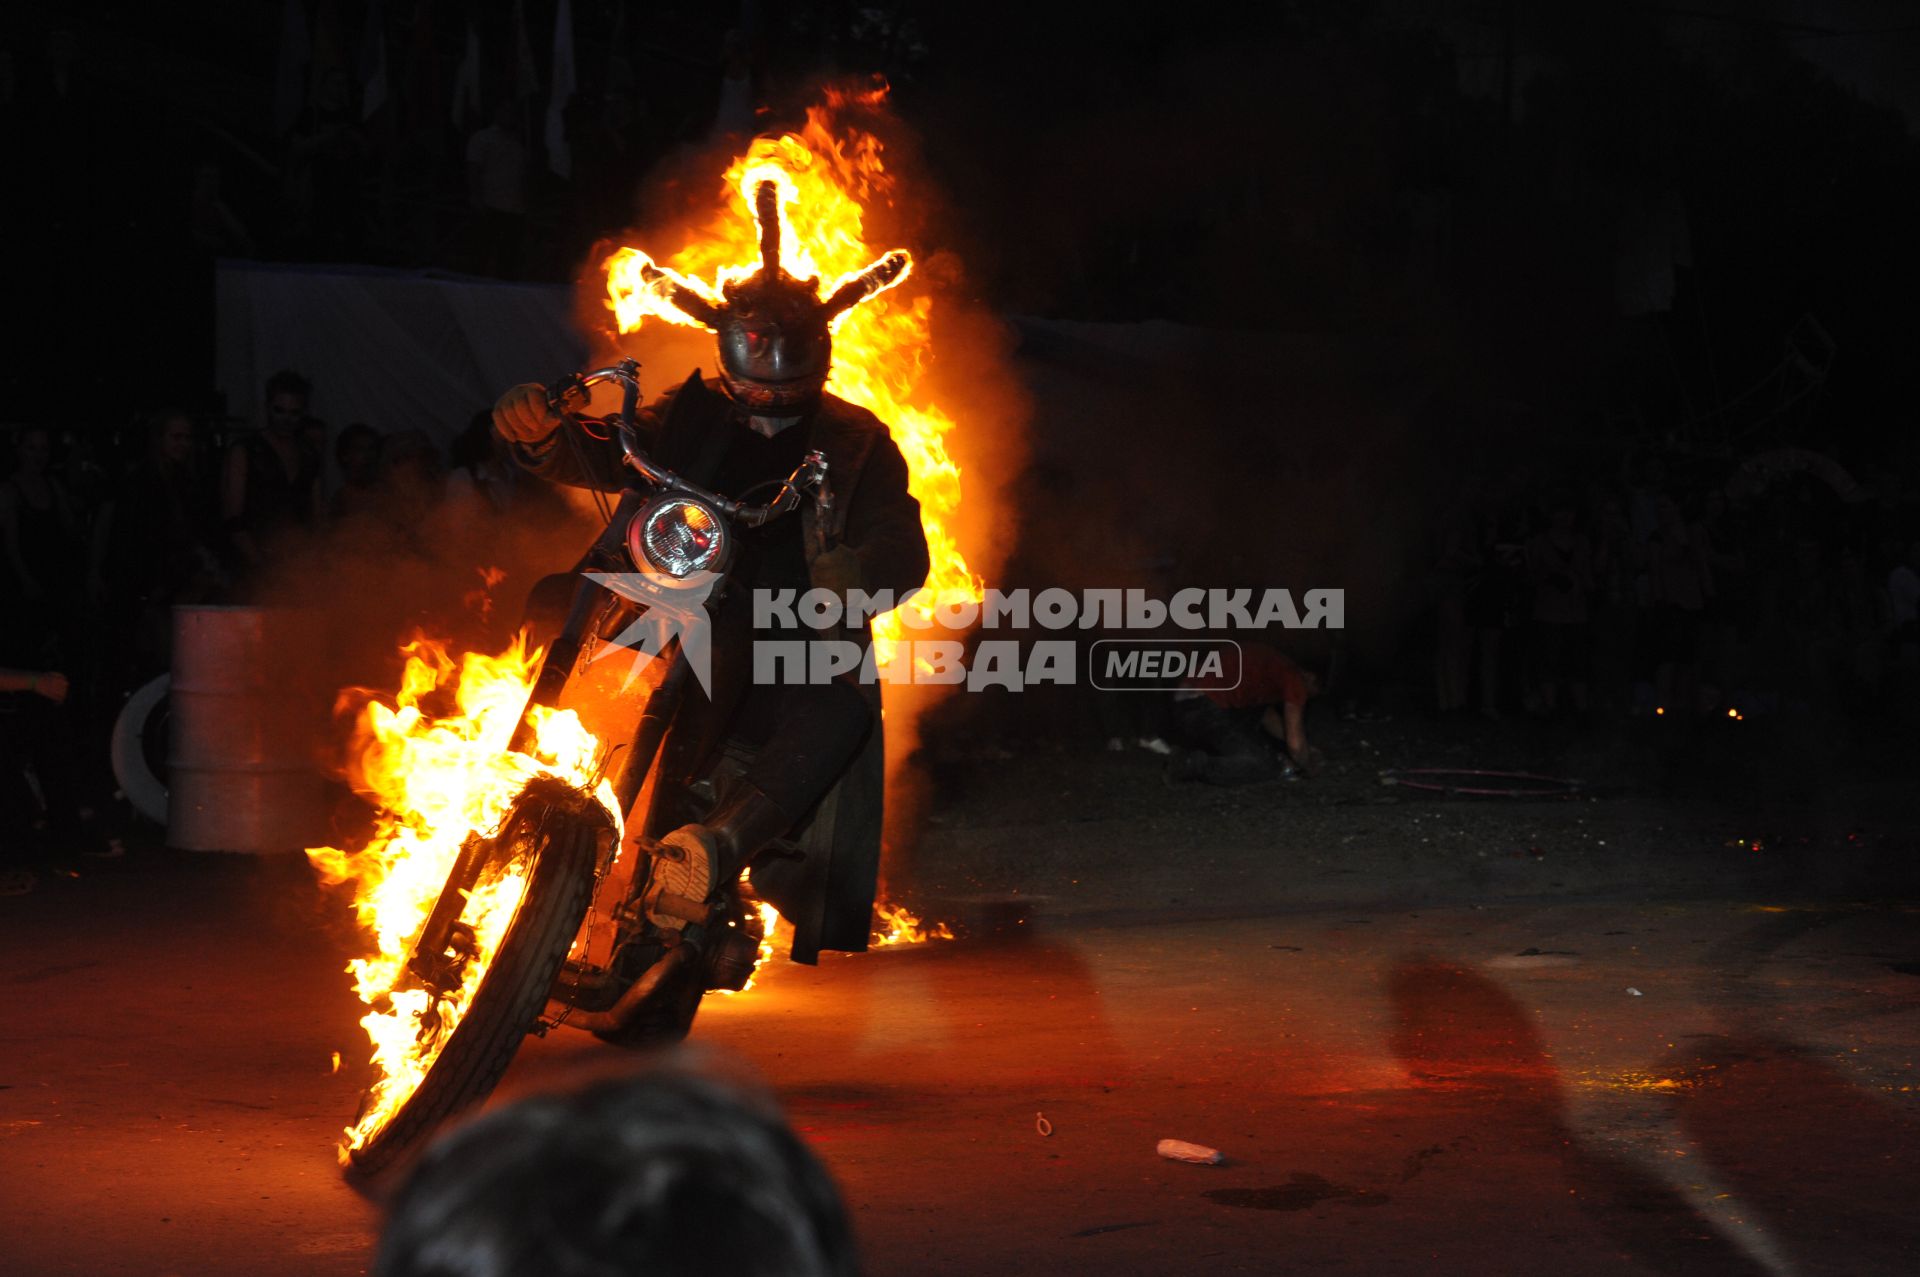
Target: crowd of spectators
(1688,585)
(1687,588)
(104,532)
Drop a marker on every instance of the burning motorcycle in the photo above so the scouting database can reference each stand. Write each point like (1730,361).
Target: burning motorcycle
(504,948)
(502,889)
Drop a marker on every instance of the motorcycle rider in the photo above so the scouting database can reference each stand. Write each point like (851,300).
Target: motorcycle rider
(748,429)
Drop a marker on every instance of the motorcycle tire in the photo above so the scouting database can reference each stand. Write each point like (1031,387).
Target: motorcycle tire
(561,829)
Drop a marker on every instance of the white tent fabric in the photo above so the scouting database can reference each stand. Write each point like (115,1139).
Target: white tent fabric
(397,351)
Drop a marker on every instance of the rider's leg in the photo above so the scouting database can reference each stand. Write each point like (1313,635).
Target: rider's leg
(813,732)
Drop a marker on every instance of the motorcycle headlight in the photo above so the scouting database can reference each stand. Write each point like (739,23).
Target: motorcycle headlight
(678,536)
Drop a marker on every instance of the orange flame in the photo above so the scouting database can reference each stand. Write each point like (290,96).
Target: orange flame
(827,175)
(436,779)
(898,926)
(769,920)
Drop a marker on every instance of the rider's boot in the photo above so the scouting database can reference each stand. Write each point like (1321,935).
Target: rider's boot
(694,860)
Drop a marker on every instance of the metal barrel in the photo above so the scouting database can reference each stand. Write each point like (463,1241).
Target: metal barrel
(241,735)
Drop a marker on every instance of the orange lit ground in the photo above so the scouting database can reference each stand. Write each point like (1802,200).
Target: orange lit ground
(1399,1092)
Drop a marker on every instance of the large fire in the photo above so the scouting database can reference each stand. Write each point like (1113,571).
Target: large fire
(827,175)
(435,763)
(435,760)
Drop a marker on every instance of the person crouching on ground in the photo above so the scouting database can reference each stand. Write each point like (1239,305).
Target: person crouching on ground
(1230,731)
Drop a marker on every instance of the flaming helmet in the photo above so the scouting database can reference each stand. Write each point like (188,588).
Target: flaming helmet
(775,331)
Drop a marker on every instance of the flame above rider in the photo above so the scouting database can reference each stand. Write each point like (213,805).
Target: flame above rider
(748,429)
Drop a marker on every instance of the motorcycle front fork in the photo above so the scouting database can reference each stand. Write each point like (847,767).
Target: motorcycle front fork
(444,942)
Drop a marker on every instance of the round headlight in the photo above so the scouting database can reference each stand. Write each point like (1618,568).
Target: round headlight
(678,536)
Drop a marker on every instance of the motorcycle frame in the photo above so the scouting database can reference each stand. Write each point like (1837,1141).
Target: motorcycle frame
(645,482)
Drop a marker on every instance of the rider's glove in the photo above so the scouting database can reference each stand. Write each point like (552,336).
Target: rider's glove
(523,415)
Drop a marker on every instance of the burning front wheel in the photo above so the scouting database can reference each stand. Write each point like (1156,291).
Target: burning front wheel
(476,1000)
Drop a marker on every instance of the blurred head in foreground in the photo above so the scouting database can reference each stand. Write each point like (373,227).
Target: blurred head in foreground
(662,1174)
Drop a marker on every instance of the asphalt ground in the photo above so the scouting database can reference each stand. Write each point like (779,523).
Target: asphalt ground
(1577,1084)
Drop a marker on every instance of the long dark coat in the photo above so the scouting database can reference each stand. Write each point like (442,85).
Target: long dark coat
(831,904)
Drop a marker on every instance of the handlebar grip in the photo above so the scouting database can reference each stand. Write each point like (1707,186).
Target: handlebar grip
(570,388)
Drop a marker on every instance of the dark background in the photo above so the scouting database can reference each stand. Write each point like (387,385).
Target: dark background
(1427,270)
(1476,173)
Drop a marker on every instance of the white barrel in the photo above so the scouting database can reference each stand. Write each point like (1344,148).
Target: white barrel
(242,735)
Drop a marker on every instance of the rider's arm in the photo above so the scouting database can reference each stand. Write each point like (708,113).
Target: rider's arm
(572,456)
(883,525)
(556,450)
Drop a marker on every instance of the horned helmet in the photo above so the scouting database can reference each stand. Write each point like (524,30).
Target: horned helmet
(775,331)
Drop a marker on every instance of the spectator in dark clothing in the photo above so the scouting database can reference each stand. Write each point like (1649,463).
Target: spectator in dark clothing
(412,485)
(1230,728)
(668,1174)
(326,173)
(1492,603)
(1560,563)
(624,145)
(486,480)
(39,791)
(497,190)
(357,454)
(271,486)
(39,533)
(153,543)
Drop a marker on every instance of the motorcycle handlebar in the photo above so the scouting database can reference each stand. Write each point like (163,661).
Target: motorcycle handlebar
(809,476)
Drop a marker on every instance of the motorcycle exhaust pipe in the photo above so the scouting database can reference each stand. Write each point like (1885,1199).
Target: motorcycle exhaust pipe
(616,1016)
